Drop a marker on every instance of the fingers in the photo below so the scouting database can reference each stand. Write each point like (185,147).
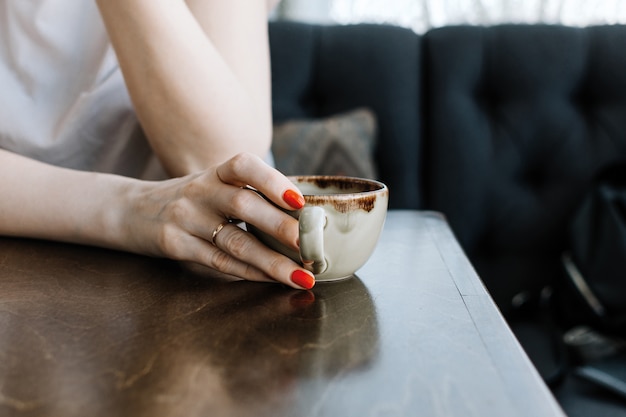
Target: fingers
(242,245)
(202,252)
(248,169)
(248,206)
(198,229)
(236,252)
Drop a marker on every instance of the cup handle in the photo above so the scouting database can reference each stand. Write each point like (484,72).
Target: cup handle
(311,226)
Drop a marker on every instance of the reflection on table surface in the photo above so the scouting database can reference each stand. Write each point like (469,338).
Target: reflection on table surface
(85,331)
(91,332)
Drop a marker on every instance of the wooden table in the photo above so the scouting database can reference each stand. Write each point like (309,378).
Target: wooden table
(92,332)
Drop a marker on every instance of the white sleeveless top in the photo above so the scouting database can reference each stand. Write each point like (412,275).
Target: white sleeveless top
(63,99)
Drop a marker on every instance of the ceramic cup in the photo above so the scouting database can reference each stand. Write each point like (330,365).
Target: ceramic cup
(339,224)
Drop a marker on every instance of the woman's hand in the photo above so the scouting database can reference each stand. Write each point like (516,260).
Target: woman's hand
(187,219)
(176,218)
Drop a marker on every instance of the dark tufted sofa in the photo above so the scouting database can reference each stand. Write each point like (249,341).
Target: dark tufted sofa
(500,128)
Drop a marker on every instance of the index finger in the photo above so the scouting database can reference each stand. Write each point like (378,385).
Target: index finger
(246,169)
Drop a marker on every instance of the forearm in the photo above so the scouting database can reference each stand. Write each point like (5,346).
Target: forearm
(201,87)
(48,202)
(177,218)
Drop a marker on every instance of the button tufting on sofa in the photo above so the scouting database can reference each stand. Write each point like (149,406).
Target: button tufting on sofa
(499,128)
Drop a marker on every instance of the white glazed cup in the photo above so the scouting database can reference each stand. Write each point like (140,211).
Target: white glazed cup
(339,225)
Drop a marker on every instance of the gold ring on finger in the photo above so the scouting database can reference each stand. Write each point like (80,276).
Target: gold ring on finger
(216,231)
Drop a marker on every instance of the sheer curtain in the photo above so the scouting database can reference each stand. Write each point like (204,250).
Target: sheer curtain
(422,15)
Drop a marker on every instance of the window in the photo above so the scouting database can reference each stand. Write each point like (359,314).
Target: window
(422,15)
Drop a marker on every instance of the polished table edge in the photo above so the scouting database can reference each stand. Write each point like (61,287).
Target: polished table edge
(515,367)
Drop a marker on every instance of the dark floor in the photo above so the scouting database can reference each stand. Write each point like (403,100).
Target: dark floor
(583,399)
(578,396)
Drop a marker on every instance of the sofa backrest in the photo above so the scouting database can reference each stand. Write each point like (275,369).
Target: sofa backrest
(500,128)
(319,71)
(518,120)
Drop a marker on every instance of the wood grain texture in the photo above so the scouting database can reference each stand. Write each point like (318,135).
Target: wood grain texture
(91,332)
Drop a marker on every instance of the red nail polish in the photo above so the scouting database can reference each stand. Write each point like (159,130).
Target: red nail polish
(302,279)
(294,199)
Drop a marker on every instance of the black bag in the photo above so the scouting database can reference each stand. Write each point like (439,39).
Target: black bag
(595,261)
(578,325)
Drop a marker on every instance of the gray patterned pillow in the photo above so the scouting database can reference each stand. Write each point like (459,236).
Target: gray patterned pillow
(342,144)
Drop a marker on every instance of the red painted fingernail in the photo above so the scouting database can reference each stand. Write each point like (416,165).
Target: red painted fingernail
(294,199)
(302,279)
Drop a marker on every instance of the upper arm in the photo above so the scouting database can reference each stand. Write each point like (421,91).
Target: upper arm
(238,30)
(271,4)
(198,73)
